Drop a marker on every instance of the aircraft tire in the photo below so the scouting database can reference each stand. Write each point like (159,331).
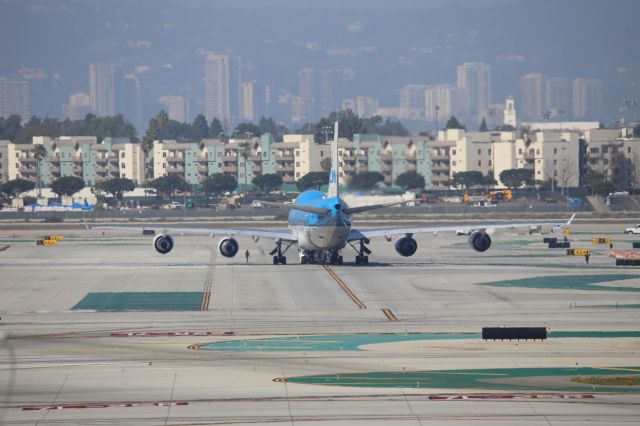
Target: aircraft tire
(365,260)
(340,260)
(357,260)
(275,260)
(283,260)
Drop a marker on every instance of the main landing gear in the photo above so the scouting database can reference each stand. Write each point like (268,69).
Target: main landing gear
(362,258)
(319,257)
(279,258)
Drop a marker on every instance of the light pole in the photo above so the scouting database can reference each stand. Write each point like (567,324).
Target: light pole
(437,108)
(326,130)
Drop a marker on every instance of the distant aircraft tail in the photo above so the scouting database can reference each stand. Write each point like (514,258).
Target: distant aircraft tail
(334,188)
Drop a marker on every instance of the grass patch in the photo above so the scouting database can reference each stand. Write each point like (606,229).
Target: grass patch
(608,381)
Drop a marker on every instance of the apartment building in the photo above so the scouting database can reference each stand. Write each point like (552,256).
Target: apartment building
(389,155)
(80,156)
(614,153)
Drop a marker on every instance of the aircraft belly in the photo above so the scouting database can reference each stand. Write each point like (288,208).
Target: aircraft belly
(324,238)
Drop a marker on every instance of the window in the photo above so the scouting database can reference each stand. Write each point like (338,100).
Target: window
(453,152)
(593,161)
(321,153)
(479,163)
(605,161)
(479,151)
(519,151)
(628,151)
(264,154)
(297,164)
(121,154)
(297,153)
(594,150)
(555,162)
(164,165)
(164,154)
(122,165)
(555,150)
(605,149)
(538,151)
(453,163)
(489,163)
(489,152)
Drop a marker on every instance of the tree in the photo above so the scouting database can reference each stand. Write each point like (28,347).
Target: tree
(267,183)
(15,187)
(515,178)
(325,164)
(219,183)
(366,181)
(467,179)
(483,125)
(117,187)
(39,153)
(215,129)
(199,128)
(489,181)
(243,129)
(312,180)
(410,180)
(67,185)
(603,188)
(453,123)
(168,185)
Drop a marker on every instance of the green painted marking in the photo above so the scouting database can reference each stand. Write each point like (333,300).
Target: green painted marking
(354,342)
(141,301)
(573,282)
(512,379)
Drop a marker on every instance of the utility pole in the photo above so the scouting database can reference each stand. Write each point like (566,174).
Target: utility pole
(437,108)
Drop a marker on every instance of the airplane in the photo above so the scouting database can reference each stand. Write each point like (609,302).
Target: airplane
(320,225)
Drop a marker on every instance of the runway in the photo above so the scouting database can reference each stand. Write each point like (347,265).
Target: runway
(128,353)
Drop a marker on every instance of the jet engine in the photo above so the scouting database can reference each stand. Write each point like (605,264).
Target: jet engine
(163,243)
(479,241)
(228,247)
(406,246)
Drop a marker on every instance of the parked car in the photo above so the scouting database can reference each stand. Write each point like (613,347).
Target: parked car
(633,230)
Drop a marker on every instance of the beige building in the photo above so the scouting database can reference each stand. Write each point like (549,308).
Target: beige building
(80,156)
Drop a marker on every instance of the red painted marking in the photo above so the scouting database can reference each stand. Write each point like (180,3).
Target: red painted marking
(123,404)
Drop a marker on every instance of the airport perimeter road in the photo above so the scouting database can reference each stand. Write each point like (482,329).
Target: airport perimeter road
(102,329)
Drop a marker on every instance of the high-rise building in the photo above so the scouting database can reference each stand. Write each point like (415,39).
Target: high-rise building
(533,95)
(474,79)
(412,96)
(366,106)
(248,100)
(557,95)
(307,91)
(222,89)
(325,92)
(129,100)
(441,101)
(587,98)
(78,107)
(15,98)
(175,107)
(102,88)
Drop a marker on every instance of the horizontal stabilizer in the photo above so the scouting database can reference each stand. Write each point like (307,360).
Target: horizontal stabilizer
(360,209)
(308,209)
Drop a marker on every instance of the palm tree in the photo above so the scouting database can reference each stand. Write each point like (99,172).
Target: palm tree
(245,152)
(39,153)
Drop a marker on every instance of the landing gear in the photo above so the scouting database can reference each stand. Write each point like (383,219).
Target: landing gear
(279,258)
(336,259)
(362,258)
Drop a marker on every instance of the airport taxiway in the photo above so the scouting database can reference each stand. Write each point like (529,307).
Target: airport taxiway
(63,362)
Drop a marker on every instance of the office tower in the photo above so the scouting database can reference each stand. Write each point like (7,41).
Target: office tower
(325,92)
(175,107)
(366,106)
(129,100)
(533,96)
(102,88)
(413,96)
(222,89)
(474,80)
(15,98)
(248,100)
(307,92)
(587,98)
(441,100)
(557,95)
(78,107)
(510,112)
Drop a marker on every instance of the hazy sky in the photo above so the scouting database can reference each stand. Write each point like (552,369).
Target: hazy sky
(375,46)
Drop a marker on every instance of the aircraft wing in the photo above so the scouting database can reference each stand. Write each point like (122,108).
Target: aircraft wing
(282,234)
(358,234)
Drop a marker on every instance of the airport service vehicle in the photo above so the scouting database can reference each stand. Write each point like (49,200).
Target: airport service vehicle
(320,227)
(633,230)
